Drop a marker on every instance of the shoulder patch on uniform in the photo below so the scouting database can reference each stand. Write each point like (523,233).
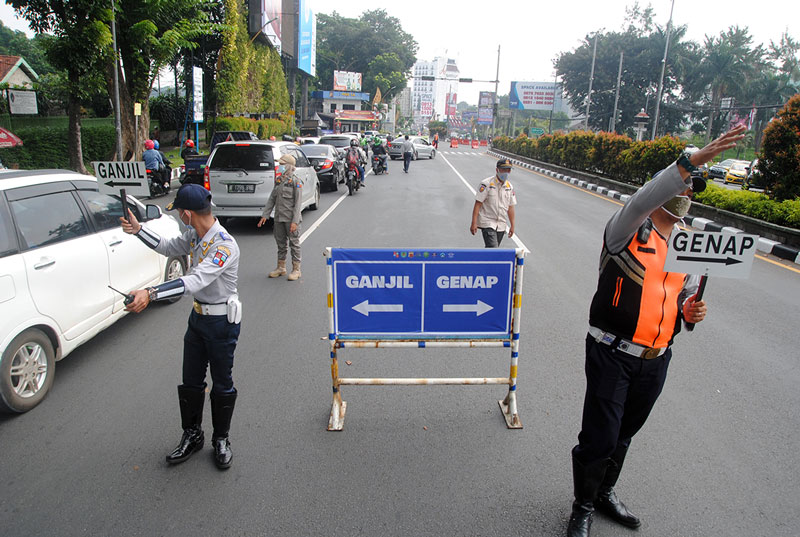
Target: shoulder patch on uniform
(483,187)
(299,184)
(224,236)
(221,255)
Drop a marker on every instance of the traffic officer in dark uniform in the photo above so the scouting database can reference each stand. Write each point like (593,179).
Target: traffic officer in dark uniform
(634,316)
(214,323)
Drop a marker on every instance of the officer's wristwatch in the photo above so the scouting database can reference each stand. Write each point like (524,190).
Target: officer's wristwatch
(685,163)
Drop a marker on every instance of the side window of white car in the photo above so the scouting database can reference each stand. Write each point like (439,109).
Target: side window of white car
(106,210)
(49,219)
(8,240)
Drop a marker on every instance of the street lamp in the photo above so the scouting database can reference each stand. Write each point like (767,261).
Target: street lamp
(640,120)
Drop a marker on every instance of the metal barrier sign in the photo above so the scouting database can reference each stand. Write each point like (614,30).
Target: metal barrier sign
(420,298)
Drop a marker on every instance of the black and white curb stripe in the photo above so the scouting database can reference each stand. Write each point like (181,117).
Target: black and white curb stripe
(765,246)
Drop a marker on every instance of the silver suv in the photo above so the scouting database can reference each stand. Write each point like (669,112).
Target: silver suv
(240,176)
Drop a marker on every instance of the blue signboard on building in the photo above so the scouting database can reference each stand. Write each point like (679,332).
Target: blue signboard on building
(307,39)
(386,293)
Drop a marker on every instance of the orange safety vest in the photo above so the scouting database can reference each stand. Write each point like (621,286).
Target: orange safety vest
(635,299)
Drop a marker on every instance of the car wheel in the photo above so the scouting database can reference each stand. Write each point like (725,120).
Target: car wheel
(314,205)
(26,372)
(175,269)
(335,183)
(433,154)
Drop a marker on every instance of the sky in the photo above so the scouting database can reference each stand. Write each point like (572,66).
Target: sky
(531,33)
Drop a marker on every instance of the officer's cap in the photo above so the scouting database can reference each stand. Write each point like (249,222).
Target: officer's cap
(287,159)
(504,164)
(191,197)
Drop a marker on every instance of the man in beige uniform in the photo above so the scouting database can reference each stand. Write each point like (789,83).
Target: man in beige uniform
(494,202)
(286,199)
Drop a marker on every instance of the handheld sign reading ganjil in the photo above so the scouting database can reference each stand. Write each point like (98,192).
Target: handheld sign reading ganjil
(711,253)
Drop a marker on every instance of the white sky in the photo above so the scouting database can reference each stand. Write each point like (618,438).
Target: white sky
(531,33)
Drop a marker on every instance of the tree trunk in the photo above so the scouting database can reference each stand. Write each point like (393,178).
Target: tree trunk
(714,104)
(74,129)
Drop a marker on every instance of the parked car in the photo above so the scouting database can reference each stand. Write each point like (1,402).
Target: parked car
(422,148)
(61,246)
(340,141)
(240,176)
(718,171)
(305,140)
(327,162)
(737,172)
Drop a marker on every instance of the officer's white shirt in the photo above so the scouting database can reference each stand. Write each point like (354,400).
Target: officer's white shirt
(496,197)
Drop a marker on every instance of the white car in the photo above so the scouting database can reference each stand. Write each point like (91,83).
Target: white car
(240,176)
(61,246)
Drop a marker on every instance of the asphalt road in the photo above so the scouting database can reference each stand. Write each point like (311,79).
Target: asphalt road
(717,456)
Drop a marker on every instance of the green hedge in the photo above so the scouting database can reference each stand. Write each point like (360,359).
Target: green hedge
(47,147)
(264,128)
(620,158)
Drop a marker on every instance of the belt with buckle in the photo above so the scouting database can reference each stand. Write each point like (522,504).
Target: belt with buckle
(628,347)
(210,309)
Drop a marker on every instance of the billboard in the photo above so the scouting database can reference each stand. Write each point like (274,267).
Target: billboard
(532,95)
(485,107)
(450,107)
(265,21)
(22,102)
(307,39)
(197,94)
(346,81)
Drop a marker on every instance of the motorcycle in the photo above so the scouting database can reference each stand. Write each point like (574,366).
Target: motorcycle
(157,187)
(353,183)
(378,165)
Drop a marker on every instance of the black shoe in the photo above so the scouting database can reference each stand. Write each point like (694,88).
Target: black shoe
(609,504)
(363,185)
(191,442)
(580,522)
(223,456)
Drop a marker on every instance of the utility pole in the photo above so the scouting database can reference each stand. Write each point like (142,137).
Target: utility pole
(663,68)
(117,120)
(612,124)
(552,108)
(496,97)
(591,79)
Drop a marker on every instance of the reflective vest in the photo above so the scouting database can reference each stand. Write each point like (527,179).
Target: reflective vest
(635,299)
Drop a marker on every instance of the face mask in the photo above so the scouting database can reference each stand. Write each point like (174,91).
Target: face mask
(678,207)
(503,176)
(281,168)
(188,218)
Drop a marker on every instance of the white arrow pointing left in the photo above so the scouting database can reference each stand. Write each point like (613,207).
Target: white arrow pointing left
(364,308)
(479,308)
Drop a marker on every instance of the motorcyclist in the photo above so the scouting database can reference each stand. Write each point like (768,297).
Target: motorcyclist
(188,148)
(167,172)
(359,157)
(378,150)
(154,162)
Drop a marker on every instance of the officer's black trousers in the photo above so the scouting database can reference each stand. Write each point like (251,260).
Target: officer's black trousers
(210,340)
(620,393)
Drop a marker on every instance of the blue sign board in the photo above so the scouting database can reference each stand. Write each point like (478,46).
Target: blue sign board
(422,293)
(307,39)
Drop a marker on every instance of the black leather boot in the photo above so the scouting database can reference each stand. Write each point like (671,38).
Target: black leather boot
(586,479)
(221,413)
(607,501)
(191,404)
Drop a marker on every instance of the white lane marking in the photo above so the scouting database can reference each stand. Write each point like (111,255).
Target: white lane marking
(326,214)
(515,238)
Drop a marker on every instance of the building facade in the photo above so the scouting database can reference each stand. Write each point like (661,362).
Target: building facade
(429,97)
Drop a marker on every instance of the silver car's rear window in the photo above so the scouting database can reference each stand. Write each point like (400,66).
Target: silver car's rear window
(248,157)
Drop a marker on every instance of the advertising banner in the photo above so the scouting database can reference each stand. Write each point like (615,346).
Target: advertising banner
(532,95)
(426,108)
(485,107)
(272,9)
(450,108)
(346,81)
(307,39)
(197,82)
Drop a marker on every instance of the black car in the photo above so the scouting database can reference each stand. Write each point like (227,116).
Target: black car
(718,171)
(327,162)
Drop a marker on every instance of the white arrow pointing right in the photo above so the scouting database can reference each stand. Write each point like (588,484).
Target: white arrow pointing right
(479,308)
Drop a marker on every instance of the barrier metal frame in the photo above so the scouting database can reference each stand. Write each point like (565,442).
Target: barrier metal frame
(508,405)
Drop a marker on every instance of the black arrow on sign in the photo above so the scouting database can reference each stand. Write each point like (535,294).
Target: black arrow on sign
(112,184)
(727,260)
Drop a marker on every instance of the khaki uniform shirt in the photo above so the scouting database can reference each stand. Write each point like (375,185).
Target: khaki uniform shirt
(495,198)
(286,199)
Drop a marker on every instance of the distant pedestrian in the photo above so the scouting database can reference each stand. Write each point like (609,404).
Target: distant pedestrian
(493,211)
(286,199)
(408,153)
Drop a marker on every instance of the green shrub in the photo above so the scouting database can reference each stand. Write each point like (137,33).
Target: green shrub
(47,147)
(263,128)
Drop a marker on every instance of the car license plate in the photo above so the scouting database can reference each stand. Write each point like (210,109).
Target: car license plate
(241,189)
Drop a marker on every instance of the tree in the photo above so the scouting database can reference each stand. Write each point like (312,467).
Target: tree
(75,25)
(374,45)
(779,162)
(437,127)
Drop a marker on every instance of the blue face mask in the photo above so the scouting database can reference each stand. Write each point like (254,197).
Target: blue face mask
(503,176)
(281,168)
